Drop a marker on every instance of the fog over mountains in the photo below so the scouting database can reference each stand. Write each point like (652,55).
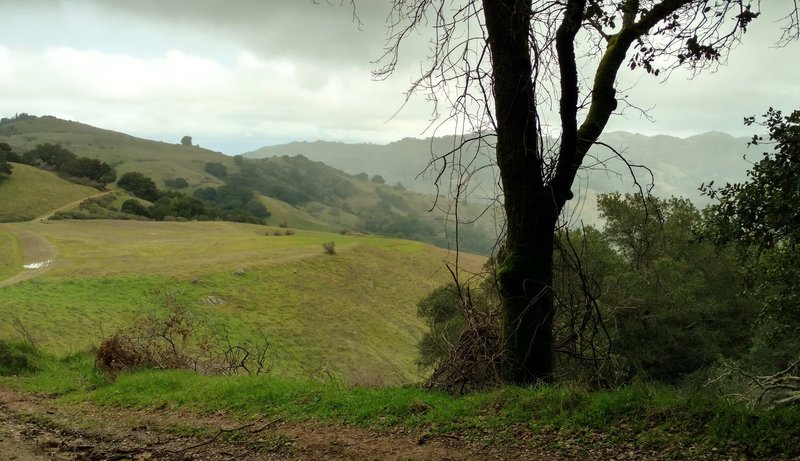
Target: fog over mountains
(678,165)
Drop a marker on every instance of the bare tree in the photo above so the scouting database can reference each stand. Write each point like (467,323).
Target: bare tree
(497,65)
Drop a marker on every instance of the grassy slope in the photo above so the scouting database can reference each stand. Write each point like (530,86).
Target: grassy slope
(30,192)
(126,153)
(161,161)
(353,314)
(10,255)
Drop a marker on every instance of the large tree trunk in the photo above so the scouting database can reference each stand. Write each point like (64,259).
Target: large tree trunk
(526,272)
(526,276)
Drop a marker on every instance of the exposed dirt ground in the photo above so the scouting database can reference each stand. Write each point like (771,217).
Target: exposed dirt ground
(34,428)
(35,249)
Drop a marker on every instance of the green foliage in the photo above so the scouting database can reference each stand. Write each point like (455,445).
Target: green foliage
(760,217)
(100,207)
(133,206)
(233,199)
(140,186)
(90,168)
(176,183)
(5,167)
(440,310)
(673,304)
(54,157)
(216,169)
(294,180)
(378,179)
(362,176)
(186,141)
(16,358)
(50,155)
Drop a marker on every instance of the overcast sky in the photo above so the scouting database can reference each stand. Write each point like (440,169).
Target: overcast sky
(238,75)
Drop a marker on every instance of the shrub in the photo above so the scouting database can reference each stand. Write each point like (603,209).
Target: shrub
(139,185)
(179,339)
(15,359)
(329,247)
(216,169)
(176,183)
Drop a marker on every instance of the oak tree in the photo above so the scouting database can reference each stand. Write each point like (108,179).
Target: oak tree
(498,64)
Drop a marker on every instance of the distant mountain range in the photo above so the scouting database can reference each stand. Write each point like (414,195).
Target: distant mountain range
(679,165)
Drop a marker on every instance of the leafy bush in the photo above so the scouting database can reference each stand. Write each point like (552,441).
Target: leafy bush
(176,183)
(216,169)
(16,359)
(139,186)
(133,206)
(329,247)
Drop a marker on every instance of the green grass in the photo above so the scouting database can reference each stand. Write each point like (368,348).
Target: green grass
(30,192)
(10,255)
(648,414)
(352,315)
(158,160)
(641,415)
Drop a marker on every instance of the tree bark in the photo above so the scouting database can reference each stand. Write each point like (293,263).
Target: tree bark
(526,273)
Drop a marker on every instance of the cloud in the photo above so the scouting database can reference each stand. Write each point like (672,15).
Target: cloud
(290,69)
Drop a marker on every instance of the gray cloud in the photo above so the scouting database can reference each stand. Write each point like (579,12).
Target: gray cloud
(290,68)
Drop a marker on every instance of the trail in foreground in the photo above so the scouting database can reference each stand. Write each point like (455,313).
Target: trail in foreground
(38,254)
(38,428)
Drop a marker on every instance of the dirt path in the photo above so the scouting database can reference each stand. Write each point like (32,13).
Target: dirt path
(69,205)
(37,428)
(38,254)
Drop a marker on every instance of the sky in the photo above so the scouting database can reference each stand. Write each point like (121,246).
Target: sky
(239,75)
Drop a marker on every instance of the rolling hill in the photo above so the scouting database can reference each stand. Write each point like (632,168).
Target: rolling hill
(298,192)
(679,165)
(352,315)
(29,193)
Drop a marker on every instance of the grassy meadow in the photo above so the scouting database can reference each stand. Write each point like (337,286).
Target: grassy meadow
(352,315)
(10,254)
(30,192)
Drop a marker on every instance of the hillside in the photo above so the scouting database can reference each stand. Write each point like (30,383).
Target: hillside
(298,192)
(679,165)
(30,192)
(352,315)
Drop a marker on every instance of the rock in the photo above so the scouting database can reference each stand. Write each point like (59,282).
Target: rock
(213,300)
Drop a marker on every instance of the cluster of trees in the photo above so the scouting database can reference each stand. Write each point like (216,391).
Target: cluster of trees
(90,171)
(6,156)
(231,197)
(294,180)
(216,169)
(176,183)
(760,218)
(229,203)
(664,291)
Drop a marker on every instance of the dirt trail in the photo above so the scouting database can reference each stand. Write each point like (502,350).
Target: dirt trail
(36,428)
(38,254)
(69,206)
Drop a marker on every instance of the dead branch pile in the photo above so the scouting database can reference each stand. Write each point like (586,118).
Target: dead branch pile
(475,360)
(768,391)
(180,340)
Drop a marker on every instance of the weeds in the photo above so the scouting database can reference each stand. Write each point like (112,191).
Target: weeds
(180,340)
